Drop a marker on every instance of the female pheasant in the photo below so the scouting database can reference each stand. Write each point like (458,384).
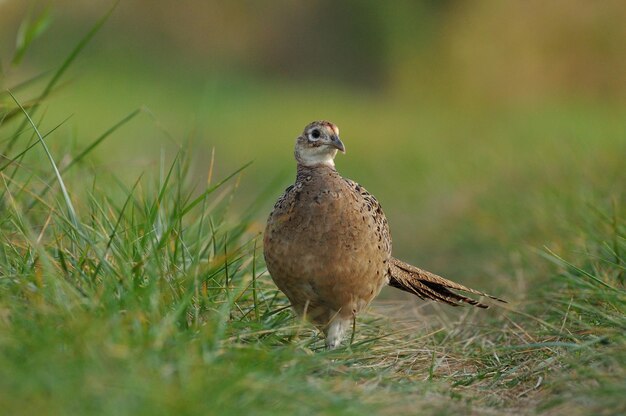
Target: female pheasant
(327,244)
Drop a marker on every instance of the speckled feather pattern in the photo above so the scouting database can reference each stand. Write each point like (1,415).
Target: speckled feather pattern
(327,245)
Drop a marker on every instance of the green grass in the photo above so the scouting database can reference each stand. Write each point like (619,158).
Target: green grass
(142,290)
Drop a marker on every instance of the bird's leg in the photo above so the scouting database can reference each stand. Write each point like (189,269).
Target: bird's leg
(336,331)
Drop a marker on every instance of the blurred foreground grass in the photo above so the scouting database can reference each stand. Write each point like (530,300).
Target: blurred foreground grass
(147,295)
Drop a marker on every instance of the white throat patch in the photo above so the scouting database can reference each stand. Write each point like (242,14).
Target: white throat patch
(318,156)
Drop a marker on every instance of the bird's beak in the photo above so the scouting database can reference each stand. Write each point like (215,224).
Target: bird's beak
(337,143)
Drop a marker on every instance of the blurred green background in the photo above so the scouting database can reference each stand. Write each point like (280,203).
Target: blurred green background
(482,127)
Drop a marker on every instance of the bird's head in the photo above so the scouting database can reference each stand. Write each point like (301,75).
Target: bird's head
(318,144)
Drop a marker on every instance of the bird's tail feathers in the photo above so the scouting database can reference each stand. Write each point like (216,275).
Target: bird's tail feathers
(427,285)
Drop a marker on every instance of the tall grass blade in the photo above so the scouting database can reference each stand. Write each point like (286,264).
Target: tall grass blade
(64,66)
(28,32)
(581,271)
(88,150)
(66,196)
(29,147)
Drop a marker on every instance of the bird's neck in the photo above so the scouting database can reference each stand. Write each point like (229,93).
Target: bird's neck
(305,171)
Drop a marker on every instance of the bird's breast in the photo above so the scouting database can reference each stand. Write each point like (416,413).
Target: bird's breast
(327,221)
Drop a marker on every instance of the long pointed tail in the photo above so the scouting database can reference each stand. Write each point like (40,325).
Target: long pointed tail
(427,285)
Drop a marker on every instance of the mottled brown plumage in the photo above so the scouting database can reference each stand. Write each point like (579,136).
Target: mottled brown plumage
(327,243)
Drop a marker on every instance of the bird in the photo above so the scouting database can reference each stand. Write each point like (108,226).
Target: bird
(327,244)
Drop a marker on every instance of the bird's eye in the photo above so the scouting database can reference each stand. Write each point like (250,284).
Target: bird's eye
(315,134)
